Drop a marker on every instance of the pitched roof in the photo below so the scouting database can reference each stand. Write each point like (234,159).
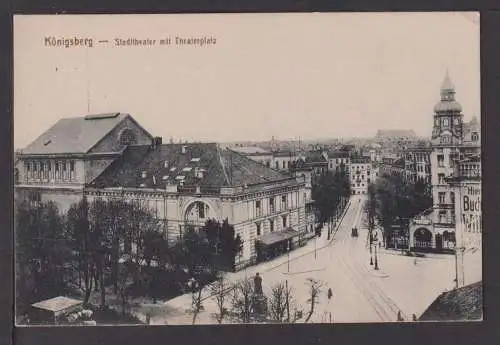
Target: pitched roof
(284,153)
(250,150)
(472,126)
(360,160)
(465,303)
(167,164)
(57,303)
(315,157)
(338,154)
(75,135)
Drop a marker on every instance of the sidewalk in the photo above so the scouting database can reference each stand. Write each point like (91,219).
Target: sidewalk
(182,303)
(411,283)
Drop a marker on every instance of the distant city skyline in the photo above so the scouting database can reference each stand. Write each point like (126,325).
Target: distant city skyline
(308,76)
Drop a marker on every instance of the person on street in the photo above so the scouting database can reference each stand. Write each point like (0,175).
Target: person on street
(330,293)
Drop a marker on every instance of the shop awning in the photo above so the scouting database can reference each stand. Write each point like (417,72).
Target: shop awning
(276,237)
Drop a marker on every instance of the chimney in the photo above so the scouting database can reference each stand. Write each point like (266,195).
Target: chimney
(156,142)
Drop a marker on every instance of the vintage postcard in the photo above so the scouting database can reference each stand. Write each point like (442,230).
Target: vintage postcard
(247,168)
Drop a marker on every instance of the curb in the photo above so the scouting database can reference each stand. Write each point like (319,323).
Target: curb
(292,258)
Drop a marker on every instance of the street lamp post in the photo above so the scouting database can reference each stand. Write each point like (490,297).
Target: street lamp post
(289,247)
(315,238)
(370,242)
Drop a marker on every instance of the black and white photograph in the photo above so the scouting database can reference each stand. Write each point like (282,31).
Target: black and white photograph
(224,169)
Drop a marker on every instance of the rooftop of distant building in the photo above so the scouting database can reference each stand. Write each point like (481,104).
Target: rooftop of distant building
(395,133)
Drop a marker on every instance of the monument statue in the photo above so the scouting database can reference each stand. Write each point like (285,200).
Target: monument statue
(257,280)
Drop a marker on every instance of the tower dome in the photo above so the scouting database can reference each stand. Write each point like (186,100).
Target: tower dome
(447,102)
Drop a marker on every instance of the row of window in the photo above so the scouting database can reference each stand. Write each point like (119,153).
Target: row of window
(258,225)
(442,197)
(47,170)
(271,204)
(443,217)
(363,167)
(418,157)
(422,169)
(446,122)
(338,161)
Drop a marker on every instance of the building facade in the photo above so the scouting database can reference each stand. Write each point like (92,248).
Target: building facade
(338,160)
(452,141)
(183,185)
(58,164)
(362,173)
(417,161)
(466,184)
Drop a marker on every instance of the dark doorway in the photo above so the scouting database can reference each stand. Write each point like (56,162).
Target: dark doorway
(439,242)
(423,238)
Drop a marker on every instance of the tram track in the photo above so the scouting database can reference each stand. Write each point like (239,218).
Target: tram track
(359,275)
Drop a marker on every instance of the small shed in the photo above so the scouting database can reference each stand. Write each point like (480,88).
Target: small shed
(51,311)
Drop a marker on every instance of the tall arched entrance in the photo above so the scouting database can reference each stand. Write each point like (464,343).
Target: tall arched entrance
(197,213)
(423,238)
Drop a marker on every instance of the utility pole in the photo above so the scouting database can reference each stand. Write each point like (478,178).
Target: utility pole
(289,257)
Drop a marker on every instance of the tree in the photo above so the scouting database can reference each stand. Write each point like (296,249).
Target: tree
(41,251)
(124,271)
(242,300)
(371,208)
(314,291)
(282,305)
(196,300)
(397,200)
(219,292)
(278,302)
(99,239)
(78,231)
(222,242)
(230,244)
(328,192)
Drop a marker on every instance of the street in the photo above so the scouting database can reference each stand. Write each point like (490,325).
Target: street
(360,293)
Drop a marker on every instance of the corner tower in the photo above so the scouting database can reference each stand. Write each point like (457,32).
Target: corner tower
(448,118)
(447,137)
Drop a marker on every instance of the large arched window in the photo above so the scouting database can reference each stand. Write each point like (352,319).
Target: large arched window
(127,137)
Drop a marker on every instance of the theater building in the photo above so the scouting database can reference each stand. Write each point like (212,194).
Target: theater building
(63,160)
(112,157)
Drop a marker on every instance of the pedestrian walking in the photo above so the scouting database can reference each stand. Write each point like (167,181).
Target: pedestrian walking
(330,293)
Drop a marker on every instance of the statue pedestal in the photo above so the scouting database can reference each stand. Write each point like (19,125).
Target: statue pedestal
(260,305)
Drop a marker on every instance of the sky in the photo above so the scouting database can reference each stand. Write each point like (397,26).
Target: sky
(307,75)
